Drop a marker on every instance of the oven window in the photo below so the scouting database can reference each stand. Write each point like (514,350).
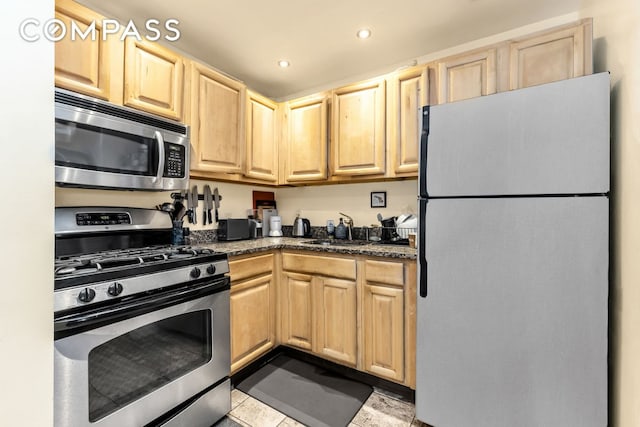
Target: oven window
(133,365)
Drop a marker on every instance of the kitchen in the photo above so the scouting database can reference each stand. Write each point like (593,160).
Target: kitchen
(613,50)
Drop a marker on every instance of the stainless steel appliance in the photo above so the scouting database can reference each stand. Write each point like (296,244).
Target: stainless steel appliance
(513,258)
(301,227)
(141,327)
(104,145)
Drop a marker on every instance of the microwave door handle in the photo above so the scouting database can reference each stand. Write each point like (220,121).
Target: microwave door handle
(161,154)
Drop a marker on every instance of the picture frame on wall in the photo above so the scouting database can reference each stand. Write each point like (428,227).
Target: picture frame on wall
(378,199)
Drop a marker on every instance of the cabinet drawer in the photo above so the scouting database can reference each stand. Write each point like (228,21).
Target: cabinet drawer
(320,265)
(250,267)
(391,273)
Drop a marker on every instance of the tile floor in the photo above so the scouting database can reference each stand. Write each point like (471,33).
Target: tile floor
(380,410)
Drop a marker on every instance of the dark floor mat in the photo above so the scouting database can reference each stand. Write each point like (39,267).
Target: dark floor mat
(306,393)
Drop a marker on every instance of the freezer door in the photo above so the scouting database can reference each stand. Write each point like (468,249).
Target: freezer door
(548,139)
(513,331)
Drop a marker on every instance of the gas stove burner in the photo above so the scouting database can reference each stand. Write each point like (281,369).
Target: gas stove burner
(189,251)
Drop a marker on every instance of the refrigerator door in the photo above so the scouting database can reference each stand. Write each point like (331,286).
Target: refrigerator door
(548,139)
(513,331)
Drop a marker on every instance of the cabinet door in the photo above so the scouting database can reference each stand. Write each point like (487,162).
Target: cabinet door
(217,121)
(262,138)
(297,313)
(305,153)
(408,92)
(358,143)
(336,320)
(153,79)
(561,54)
(384,331)
(252,320)
(467,76)
(85,66)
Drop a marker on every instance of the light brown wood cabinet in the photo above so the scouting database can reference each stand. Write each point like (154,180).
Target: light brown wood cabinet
(262,138)
(216,117)
(320,290)
(358,129)
(296,310)
(550,56)
(90,67)
(467,75)
(153,78)
(355,310)
(240,136)
(384,323)
(304,148)
(408,91)
(336,319)
(253,307)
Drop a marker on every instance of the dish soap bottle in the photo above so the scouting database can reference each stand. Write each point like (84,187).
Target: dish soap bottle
(341,230)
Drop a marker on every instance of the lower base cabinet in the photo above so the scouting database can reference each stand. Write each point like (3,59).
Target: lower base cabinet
(253,304)
(355,310)
(319,305)
(383,318)
(296,312)
(336,312)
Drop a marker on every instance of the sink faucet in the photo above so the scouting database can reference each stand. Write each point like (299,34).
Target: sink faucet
(349,223)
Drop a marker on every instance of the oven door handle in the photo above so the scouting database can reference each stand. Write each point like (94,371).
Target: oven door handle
(72,324)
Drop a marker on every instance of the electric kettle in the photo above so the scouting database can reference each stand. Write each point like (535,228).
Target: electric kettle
(301,227)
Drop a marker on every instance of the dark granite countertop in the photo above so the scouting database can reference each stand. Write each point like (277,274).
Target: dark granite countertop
(267,243)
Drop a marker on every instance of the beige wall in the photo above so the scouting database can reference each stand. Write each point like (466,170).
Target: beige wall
(616,25)
(318,203)
(323,202)
(236,199)
(26,298)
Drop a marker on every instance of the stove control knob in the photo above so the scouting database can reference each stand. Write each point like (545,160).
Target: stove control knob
(86,295)
(195,273)
(211,269)
(115,289)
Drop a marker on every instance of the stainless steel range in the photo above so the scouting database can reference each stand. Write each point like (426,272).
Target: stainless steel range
(141,327)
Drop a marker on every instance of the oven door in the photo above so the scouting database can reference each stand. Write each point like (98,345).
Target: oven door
(130,364)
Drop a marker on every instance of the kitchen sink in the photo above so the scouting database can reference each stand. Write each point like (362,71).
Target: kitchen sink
(337,242)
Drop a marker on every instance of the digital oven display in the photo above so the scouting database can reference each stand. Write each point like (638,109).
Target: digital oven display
(96,218)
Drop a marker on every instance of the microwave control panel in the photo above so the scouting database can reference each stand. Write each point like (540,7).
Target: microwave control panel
(174,164)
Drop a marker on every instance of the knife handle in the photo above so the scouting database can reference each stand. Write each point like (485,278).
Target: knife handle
(209,213)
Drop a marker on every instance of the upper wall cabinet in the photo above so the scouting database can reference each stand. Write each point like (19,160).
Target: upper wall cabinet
(87,66)
(407,92)
(153,79)
(217,112)
(561,54)
(358,129)
(304,150)
(467,76)
(262,138)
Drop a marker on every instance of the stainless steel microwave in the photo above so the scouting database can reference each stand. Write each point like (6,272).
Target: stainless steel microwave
(102,145)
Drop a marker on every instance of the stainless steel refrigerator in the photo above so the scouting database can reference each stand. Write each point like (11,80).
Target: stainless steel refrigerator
(513,257)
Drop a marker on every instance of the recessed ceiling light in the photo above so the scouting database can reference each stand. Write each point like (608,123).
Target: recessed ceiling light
(364,33)
(283,63)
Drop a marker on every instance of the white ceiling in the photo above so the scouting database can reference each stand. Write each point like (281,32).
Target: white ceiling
(246,38)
